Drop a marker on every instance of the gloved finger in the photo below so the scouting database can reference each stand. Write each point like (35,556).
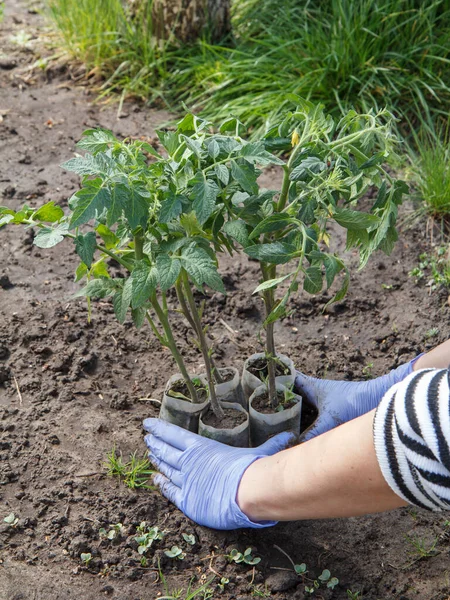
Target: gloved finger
(307,388)
(174,475)
(323,423)
(276,443)
(169,490)
(163,451)
(172,434)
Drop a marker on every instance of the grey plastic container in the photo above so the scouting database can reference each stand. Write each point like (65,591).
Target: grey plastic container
(250,382)
(181,412)
(264,425)
(238,436)
(231,391)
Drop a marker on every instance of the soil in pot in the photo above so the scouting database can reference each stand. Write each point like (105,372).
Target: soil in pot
(180,390)
(263,405)
(259,369)
(232,418)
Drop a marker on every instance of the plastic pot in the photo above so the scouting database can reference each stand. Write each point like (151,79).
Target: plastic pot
(237,436)
(265,425)
(181,412)
(250,382)
(231,390)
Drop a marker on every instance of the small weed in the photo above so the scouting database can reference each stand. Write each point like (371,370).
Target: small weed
(86,558)
(324,579)
(11,519)
(175,552)
(420,549)
(247,558)
(385,286)
(434,267)
(431,333)
(204,592)
(258,591)
(135,473)
(115,532)
(189,538)
(367,370)
(354,595)
(147,535)
(223,582)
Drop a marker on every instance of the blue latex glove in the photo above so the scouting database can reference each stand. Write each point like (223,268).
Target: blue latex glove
(342,401)
(201,476)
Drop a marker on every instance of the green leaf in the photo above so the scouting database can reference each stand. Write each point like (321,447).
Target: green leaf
(99,269)
(277,253)
(85,247)
(6,219)
(308,166)
(168,270)
(332,268)
(50,213)
(122,300)
(213,148)
(98,288)
(238,231)
(96,140)
(109,237)
(116,204)
(353,219)
(232,125)
(84,165)
(204,194)
(138,316)
(47,237)
(272,223)
(278,312)
(81,272)
(271,283)
(10,519)
(246,176)
(171,207)
(89,202)
(201,268)
(144,282)
(256,153)
(325,575)
(222,173)
(313,280)
(136,205)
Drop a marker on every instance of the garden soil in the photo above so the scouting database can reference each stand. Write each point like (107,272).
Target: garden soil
(71,390)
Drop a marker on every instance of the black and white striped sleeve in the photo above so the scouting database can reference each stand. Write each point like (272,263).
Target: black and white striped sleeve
(412,438)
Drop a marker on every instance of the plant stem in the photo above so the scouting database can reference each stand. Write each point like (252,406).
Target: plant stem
(189,318)
(171,343)
(139,246)
(218,411)
(268,296)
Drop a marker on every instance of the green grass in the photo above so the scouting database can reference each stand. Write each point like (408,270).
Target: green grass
(134,473)
(430,158)
(371,53)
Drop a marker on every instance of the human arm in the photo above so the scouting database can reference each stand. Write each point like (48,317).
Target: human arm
(333,475)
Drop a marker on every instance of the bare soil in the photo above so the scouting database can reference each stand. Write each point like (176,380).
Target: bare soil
(232,418)
(70,391)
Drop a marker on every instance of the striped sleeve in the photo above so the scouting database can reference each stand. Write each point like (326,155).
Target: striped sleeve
(412,438)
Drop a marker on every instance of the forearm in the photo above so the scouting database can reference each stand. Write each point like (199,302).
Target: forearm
(438,358)
(332,475)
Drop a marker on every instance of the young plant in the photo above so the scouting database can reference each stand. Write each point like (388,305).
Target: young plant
(86,558)
(165,220)
(111,534)
(146,536)
(175,552)
(247,557)
(331,167)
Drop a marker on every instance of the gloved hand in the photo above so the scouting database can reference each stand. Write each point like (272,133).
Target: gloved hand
(201,476)
(342,401)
